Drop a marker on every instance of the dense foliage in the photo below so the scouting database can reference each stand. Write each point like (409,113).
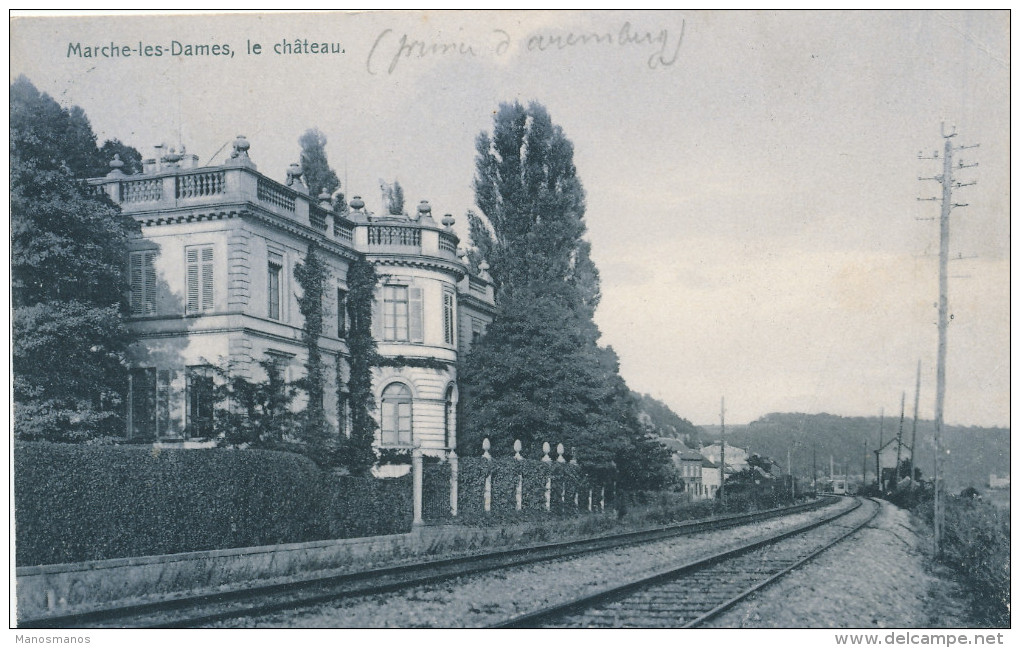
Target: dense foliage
(365,506)
(76,503)
(569,490)
(316,431)
(68,275)
(356,451)
(256,413)
(977,547)
(82,503)
(538,374)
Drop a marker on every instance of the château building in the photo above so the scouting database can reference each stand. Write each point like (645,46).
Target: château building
(213,286)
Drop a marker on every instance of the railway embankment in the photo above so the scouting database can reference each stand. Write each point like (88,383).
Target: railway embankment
(878,578)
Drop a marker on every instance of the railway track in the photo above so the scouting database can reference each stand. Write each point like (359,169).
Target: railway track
(690,595)
(193,611)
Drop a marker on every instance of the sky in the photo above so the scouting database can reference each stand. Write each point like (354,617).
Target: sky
(751,177)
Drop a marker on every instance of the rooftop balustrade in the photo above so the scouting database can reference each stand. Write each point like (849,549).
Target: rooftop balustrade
(173,185)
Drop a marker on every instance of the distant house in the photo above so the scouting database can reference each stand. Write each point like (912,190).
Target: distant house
(688,464)
(995,481)
(886,458)
(736,458)
(711,477)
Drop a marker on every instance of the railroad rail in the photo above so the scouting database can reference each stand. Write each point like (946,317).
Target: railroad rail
(198,610)
(690,595)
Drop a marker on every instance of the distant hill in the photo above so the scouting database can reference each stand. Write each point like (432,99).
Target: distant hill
(661,421)
(974,452)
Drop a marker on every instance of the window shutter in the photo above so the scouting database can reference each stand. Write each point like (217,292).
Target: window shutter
(207,278)
(135,270)
(192,258)
(415,315)
(449,326)
(149,291)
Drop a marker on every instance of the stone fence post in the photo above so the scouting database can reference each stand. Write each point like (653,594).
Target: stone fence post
(520,477)
(416,477)
(454,461)
(487,496)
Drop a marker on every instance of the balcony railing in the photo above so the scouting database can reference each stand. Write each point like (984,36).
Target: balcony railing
(274,194)
(447,243)
(136,191)
(199,185)
(344,232)
(389,235)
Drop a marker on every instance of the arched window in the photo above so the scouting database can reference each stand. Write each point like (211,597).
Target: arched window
(396,415)
(449,418)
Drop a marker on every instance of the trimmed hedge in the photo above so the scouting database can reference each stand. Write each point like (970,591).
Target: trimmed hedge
(75,502)
(435,491)
(566,481)
(360,506)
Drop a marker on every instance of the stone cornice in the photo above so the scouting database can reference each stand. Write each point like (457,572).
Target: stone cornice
(243,210)
(471,299)
(418,261)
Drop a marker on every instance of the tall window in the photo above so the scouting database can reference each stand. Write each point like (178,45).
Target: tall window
(396,415)
(142,275)
(401,314)
(149,403)
(477,330)
(449,307)
(275,270)
(395,311)
(343,413)
(342,324)
(200,278)
(201,399)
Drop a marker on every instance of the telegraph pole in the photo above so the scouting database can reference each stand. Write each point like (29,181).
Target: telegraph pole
(722,452)
(878,453)
(814,469)
(789,471)
(864,465)
(913,432)
(899,441)
(947,182)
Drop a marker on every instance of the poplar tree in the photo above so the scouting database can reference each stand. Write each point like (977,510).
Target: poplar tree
(319,176)
(538,374)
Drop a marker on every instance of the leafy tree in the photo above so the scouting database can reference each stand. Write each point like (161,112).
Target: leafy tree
(256,414)
(538,374)
(68,275)
(131,158)
(69,376)
(318,175)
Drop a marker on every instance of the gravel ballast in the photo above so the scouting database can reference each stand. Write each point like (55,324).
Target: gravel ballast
(485,599)
(874,579)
